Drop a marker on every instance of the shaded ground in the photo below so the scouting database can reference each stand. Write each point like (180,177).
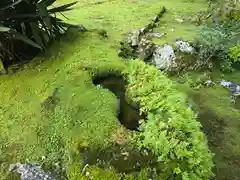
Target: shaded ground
(220,120)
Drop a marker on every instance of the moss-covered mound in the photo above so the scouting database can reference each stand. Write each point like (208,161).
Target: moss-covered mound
(171,131)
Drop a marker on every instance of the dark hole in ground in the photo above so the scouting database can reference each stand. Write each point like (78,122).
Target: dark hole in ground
(128,111)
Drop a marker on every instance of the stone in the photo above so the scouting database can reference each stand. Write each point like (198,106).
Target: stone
(143,30)
(134,38)
(31,172)
(156,19)
(164,58)
(157,35)
(184,47)
(209,83)
(233,88)
(145,49)
(179,20)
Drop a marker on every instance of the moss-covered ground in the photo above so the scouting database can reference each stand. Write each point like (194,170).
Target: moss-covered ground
(82,115)
(220,119)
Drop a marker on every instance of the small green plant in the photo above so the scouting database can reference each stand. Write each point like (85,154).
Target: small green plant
(171,131)
(234,53)
(225,10)
(213,43)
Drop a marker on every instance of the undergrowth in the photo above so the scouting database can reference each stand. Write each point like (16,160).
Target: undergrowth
(218,43)
(219,117)
(171,131)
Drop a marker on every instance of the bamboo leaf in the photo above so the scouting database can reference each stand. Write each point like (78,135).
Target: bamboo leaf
(36,34)
(46,20)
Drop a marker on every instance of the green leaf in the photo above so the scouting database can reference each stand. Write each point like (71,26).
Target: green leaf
(4,29)
(25,39)
(62,8)
(46,20)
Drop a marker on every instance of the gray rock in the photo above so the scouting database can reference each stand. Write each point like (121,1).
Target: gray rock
(157,35)
(143,30)
(145,49)
(134,38)
(31,172)
(179,20)
(233,88)
(164,58)
(209,83)
(225,83)
(99,86)
(184,46)
(155,19)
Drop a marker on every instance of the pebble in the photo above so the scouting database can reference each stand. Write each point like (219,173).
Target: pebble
(179,20)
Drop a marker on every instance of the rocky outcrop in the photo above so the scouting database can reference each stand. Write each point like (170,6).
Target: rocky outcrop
(138,44)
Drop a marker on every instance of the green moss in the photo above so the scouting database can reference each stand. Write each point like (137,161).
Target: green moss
(93,172)
(84,115)
(74,173)
(220,120)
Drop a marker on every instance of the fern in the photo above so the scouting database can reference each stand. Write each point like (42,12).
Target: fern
(171,131)
(234,53)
